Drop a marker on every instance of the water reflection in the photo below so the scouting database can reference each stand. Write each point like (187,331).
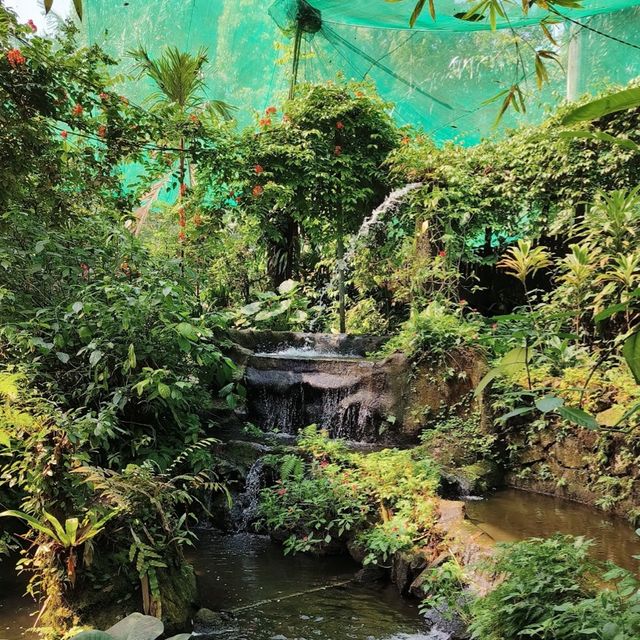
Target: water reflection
(511,515)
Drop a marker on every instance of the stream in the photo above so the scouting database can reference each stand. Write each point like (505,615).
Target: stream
(244,569)
(511,514)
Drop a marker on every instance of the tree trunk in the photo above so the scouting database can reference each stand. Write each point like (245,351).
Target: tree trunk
(341,284)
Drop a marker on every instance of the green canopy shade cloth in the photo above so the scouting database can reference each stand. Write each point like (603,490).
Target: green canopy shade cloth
(439,76)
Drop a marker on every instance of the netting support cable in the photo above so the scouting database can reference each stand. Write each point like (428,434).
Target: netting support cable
(371,60)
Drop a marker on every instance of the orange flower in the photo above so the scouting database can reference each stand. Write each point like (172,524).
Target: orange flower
(102,131)
(258,169)
(64,134)
(405,140)
(182,218)
(15,58)
(77,110)
(182,236)
(339,125)
(257,191)
(194,118)
(183,189)
(442,253)
(270,111)
(265,122)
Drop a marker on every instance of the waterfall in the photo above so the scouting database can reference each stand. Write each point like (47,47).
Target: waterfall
(391,204)
(246,505)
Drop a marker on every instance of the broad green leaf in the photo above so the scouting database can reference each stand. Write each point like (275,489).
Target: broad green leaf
(251,309)
(618,101)
(549,403)
(5,438)
(71,529)
(288,286)
(95,357)
(631,353)
(187,330)
(491,375)
(579,417)
(514,361)
(164,390)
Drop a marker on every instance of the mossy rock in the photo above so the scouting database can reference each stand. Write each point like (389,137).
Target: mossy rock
(179,595)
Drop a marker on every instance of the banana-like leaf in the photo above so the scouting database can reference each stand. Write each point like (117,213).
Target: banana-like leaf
(619,101)
(61,534)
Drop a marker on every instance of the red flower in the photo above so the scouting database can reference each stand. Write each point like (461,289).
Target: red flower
(103,96)
(77,110)
(102,131)
(64,134)
(338,150)
(257,191)
(15,58)
(442,253)
(258,169)
(281,492)
(265,122)
(182,236)
(463,303)
(339,125)
(270,111)
(32,25)
(194,118)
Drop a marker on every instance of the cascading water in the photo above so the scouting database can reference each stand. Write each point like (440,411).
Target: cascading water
(294,380)
(246,506)
(391,204)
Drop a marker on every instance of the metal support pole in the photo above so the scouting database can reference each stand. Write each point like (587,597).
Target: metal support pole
(574,63)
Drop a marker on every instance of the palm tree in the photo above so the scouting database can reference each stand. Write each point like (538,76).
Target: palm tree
(180,85)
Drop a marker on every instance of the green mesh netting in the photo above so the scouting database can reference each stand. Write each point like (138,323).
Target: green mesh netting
(438,75)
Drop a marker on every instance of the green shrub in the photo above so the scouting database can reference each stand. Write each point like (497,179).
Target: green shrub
(549,591)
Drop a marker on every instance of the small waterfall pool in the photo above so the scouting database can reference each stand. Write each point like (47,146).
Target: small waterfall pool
(243,569)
